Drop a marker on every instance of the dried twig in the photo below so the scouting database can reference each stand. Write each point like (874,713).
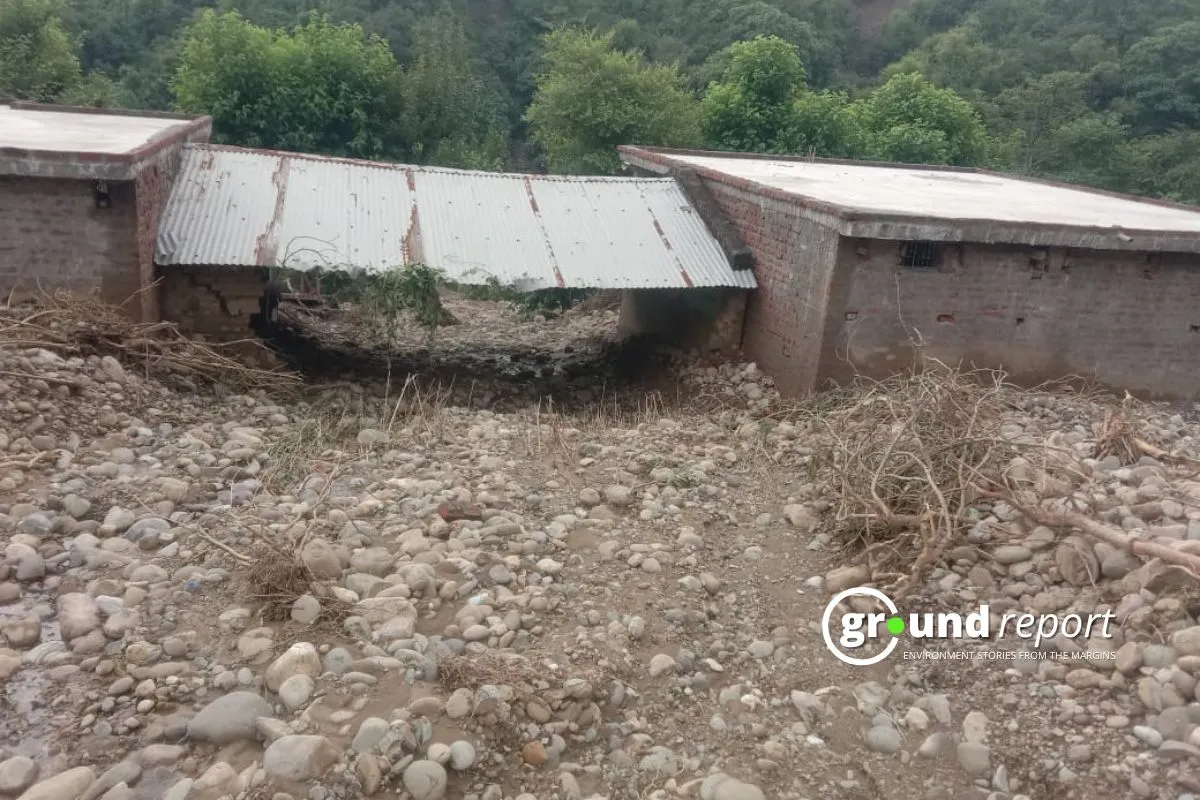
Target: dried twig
(83,325)
(905,453)
(1104,533)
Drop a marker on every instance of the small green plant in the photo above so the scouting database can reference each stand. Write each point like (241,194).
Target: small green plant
(389,299)
(492,291)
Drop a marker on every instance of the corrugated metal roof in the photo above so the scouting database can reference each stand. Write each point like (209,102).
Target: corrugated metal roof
(238,207)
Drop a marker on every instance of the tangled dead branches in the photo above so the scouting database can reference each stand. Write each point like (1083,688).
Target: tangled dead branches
(1118,434)
(277,577)
(907,454)
(76,325)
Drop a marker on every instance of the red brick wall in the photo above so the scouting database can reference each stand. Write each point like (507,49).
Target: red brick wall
(1117,318)
(214,302)
(153,187)
(794,257)
(52,235)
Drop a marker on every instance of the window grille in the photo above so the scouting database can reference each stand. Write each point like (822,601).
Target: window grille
(920,255)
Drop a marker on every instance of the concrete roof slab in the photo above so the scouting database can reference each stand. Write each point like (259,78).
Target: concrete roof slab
(895,201)
(71,142)
(951,195)
(70,132)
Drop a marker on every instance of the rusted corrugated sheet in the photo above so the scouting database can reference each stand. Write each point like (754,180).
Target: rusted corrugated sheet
(256,208)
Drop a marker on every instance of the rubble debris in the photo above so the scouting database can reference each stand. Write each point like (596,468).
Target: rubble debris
(253,593)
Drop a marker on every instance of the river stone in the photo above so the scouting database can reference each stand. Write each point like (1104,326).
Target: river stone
(300,757)
(425,780)
(69,785)
(229,719)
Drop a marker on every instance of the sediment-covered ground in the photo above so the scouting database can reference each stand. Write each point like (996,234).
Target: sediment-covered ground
(245,592)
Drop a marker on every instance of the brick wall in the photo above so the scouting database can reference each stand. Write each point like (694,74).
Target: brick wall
(53,235)
(213,302)
(1126,320)
(709,320)
(794,257)
(154,181)
(152,187)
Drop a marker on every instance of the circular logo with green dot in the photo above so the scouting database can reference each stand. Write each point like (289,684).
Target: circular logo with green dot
(855,629)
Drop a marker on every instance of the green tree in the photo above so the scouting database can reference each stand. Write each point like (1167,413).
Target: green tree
(957,59)
(823,125)
(323,88)
(99,91)
(38,60)
(1167,166)
(909,120)
(1035,111)
(752,107)
(450,117)
(1162,78)
(591,98)
(1091,150)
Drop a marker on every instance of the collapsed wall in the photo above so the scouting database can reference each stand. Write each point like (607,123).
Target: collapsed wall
(219,304)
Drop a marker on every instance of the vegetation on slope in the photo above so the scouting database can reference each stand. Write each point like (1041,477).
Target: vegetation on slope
(1103,92)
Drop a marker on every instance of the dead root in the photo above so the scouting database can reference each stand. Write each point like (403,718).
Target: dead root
(276,577)
(905,456)
(78,325)
(1118,434)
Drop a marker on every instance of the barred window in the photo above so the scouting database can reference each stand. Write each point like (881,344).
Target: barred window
(920,255)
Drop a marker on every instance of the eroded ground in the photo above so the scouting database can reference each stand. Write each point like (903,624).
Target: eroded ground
(621,602)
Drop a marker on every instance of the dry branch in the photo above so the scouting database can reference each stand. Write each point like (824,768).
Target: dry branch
(80,325)
(1108,535)
(905,455)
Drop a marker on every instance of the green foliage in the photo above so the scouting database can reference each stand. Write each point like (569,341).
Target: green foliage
(323,88)
(449,118)
(1162,77)
(592,97)
(1035,111)
(823,124)
(909,120)
(549,302)
(1167,166)
(546,302)
(752,106)
(762,105)
(393,297)
(38,60)
(1101,91)
(98,91)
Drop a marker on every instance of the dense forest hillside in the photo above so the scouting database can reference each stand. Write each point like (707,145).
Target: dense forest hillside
(1104,92)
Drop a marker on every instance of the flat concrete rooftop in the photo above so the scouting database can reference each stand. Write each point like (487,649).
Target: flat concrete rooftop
(64,141)
(950,194)
(79,132)
(895,201)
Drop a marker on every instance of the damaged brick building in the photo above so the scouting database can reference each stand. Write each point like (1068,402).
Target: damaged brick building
(81,192)
(869,268)
(816,270)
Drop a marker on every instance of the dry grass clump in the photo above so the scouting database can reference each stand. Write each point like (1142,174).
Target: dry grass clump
(490,668)
(907,457)
(319,442)
(77,325)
